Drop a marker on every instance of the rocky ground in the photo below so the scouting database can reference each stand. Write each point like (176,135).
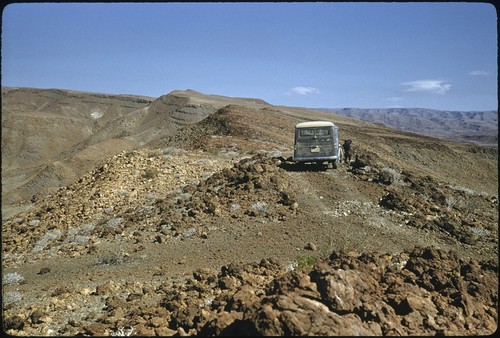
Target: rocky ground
(212,230)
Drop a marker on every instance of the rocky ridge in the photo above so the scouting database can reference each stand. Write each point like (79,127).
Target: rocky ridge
(212,230)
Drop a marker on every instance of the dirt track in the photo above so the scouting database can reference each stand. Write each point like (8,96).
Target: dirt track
(212,231)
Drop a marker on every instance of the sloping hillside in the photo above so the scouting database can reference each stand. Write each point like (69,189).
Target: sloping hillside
(52,137)
(209,229)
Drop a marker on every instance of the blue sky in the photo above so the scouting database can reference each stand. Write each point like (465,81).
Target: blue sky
(310,54)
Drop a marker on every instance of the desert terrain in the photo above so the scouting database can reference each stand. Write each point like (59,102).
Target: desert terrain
(184,215)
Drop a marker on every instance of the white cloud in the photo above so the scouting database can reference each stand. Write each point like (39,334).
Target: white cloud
(395,99)
(303,90)
(479,73)
(428,86)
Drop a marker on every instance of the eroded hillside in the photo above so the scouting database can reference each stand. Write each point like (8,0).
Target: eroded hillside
(212,230)
(52,137)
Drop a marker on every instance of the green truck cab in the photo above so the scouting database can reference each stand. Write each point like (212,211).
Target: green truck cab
(317,142)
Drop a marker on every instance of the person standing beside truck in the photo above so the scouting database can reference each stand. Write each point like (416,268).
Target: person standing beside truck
(347,150)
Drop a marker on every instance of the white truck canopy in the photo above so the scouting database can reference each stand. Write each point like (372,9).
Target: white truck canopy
(311,124)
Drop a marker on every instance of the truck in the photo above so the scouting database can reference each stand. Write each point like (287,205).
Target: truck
(317,142)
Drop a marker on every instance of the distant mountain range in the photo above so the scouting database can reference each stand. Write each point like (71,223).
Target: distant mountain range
(469,126)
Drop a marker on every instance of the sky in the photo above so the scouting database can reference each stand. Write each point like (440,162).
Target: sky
(301,54)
